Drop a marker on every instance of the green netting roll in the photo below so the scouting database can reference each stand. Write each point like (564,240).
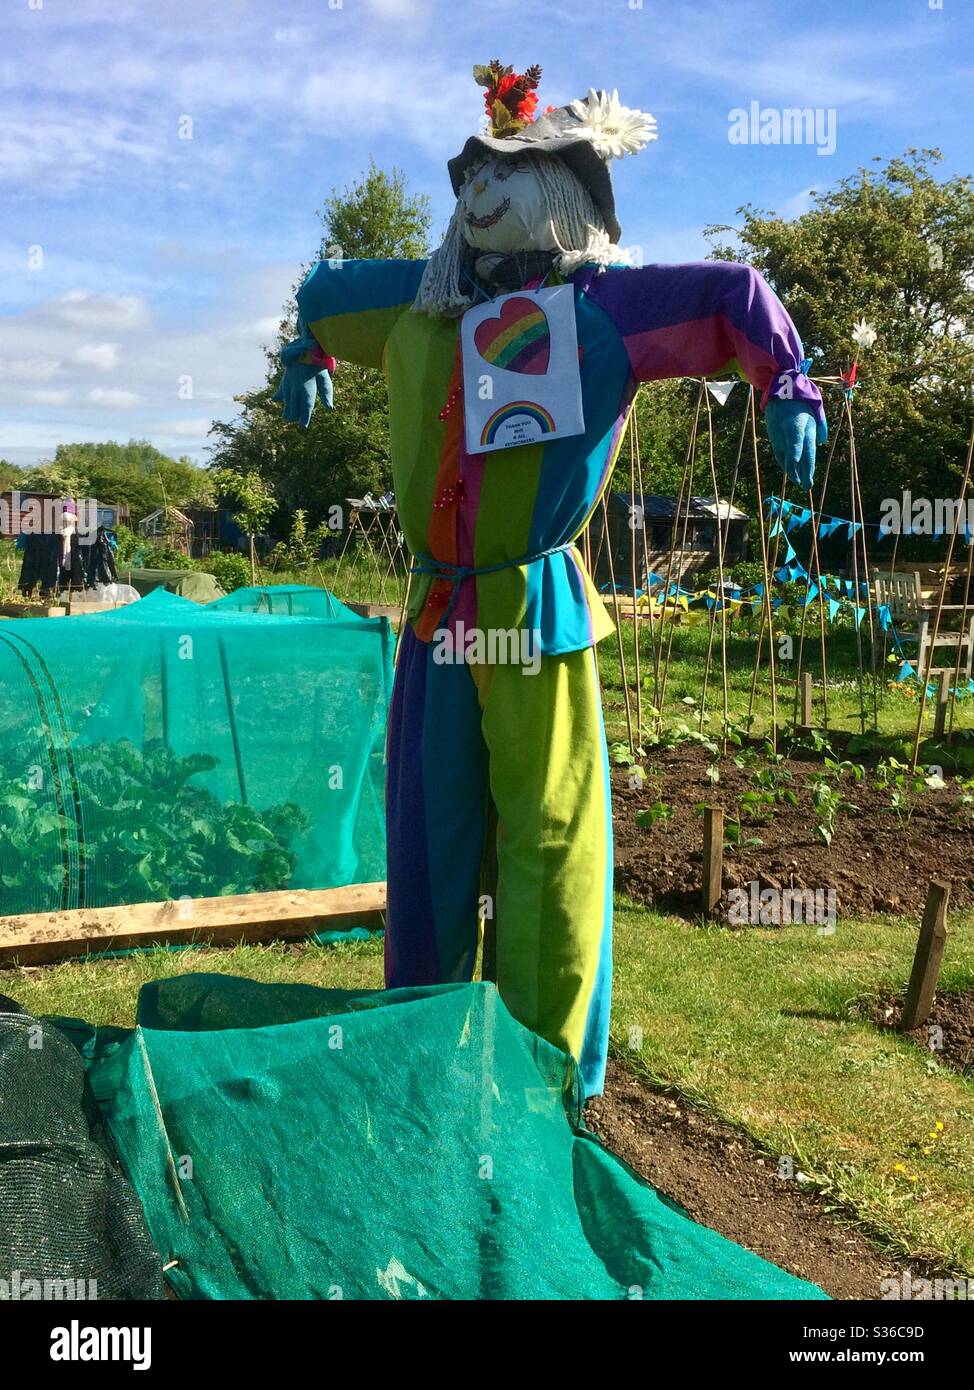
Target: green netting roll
(71,1226)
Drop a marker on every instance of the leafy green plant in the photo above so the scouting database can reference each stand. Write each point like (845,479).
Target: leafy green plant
(150,833)
(734,837)
(660,811)
(965,801)
(231,571)
(828,802)
(769,788)
(681,732)
(839,768)
(302,547)
(904,786)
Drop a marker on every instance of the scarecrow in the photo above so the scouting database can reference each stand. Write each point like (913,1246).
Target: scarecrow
(512,357)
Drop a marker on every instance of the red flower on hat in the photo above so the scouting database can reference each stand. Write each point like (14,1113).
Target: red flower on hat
(510,99)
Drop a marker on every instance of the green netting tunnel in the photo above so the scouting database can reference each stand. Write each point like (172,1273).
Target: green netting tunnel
(292,600)
(168,750)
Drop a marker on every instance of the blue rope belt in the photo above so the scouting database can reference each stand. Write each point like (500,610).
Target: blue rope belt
(442,569)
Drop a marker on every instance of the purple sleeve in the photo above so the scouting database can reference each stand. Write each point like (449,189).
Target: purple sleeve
(705,318)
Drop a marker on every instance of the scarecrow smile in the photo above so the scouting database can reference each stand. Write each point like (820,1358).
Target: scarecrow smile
(489,219)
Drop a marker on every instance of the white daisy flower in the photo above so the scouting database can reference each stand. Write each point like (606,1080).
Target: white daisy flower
(614,129)
(863,334)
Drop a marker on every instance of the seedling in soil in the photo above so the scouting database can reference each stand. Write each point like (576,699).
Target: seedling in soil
(624,756)
(828,803)
(817,742)
(839,769)
(734,837)
(768,792)
(905,786)
(966,800)
(659,811)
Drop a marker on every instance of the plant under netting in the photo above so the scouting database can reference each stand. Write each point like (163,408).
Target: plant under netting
(151,833)
(167,751)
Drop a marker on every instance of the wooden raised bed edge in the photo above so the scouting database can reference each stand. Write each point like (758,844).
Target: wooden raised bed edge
(32,610)
(42,937)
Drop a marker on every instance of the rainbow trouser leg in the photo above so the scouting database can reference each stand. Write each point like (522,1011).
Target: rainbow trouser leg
(465,740)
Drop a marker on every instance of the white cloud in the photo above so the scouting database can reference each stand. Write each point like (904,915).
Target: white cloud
(113,399)
(398,9)
(29,368)
(83,309)
(196,428)
(376,91)
(53,153)
(102,356)
(46,400)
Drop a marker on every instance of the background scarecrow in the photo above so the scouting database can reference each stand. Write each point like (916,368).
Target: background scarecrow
(498,779)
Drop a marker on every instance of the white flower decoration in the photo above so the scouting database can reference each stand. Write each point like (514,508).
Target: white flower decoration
(863,334)
(614,129)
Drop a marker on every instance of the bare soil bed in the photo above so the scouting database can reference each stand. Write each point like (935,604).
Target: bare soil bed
(725,1182)
(948,1033)
(878,861)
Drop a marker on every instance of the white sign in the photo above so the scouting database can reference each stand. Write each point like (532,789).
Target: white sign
(521,378)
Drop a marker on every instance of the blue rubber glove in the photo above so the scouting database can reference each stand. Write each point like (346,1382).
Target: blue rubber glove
(794,432)
(302,384)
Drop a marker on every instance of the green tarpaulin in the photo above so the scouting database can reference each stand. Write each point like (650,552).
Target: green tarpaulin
(191,584)
(295,1143)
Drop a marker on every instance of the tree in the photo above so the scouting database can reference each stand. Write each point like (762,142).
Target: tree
(344,451)
(135,473)
(376,217)
(11,476)
(895,246)
(254,504)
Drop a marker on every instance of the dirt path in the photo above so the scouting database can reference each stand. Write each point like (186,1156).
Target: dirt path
(726,1183)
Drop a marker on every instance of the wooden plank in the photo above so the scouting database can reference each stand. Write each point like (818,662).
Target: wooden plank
(32,610)
(926,962)
(79,607)
(713,858)
(392,611)
(41,937)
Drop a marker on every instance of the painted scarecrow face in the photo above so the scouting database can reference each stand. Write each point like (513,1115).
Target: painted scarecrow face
(502,207)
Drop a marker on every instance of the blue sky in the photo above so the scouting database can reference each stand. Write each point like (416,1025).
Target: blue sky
(163,258)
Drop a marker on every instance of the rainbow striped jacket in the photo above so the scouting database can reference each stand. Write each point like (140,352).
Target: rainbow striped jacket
(483,511)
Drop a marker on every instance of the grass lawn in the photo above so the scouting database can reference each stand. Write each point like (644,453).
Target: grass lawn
(754,1025)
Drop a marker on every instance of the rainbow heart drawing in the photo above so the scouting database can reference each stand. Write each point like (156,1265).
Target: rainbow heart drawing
(518,339)
(527,421)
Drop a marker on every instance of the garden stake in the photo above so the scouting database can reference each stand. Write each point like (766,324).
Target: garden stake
(926,962)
